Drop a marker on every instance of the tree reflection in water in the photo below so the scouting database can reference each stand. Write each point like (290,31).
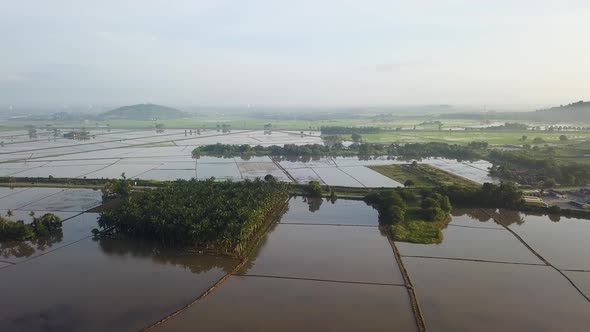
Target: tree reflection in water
(477,214)
(505,217)
(314,203)
(20,249)
(196,263)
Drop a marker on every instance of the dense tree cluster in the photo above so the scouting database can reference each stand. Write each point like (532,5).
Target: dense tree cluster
(405,220)
(314,189)
(408,218)
(505,194)
(524,167)
(220,216)
(116,188)
(43,226)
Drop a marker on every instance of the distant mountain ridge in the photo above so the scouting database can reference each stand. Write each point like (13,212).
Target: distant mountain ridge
(575,111)
(143,112)
(578,111)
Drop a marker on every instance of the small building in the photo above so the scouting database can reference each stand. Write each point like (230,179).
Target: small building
(78,135)
(581,205)
(557,193)
(534,201)
(533,192)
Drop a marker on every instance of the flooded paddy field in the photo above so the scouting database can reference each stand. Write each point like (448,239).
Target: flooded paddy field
(468,296)
(265,304)
(562,241)
(143,154)
(322,266)
(102,286)
(475,244)
(327,252)
(71,282)
(49,199)
(315,265)
(346,212)
(483,277)
(581,279)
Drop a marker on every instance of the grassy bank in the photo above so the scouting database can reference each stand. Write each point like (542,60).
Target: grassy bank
(421,175)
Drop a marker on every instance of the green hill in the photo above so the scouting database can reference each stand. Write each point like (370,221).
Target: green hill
(578,111)
(143,112)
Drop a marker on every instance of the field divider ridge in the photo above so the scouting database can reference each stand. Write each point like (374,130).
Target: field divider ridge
(418,316)
(539,255)
(473,260)
(320,280)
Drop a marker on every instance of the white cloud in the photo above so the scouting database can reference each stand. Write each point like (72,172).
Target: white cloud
(295,52)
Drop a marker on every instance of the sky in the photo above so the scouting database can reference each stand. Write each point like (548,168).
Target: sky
(294,53)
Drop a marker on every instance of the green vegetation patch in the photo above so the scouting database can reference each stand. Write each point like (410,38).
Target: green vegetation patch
(420,175)
(46,225)
(220,217)
(463,137)
(540,166)
(403,173)
(418,232)
(405,218)
(408,217)
(504,195)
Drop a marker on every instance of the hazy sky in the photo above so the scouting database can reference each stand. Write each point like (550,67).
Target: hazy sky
(303,52)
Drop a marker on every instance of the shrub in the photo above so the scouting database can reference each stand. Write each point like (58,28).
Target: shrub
(314,189)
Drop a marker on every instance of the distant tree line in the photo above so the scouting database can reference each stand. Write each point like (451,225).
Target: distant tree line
(526,168)
(408,151)
(336,130)
(509,126)
(503,195)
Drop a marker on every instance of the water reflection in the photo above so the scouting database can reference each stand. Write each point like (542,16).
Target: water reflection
(476,214)
(265,304)
(196,263)
(467,296)
(505,217)
(314,203)
(20,249)
(129,285)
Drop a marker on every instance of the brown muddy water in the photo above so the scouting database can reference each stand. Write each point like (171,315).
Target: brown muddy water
(359,254)
(324,266)
(473,296)
(266,304)
(582,280)
(69,282)
(345,212)
(310,274)
(457,293)
(102,286)
(562,241)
